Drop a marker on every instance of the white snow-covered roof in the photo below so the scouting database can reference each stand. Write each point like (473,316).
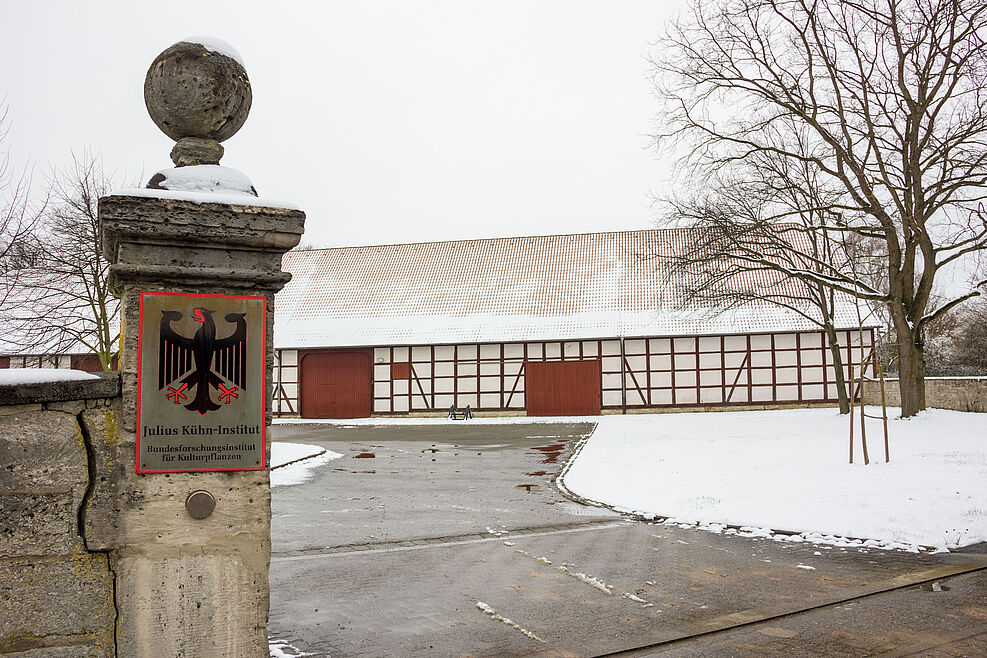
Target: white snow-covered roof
(593,285)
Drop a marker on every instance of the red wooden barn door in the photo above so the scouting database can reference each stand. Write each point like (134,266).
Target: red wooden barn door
(337,384)
(562,388)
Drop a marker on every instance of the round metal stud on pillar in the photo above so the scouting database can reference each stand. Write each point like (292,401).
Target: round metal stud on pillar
(196,260)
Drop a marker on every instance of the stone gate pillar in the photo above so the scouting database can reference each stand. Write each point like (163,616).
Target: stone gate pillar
(182,504)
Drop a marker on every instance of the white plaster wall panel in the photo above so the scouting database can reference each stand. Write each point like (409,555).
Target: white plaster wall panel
(591,349)
(610,347)
(444,385)
(512,369)
(686,396)
(553,351)
(735,343)
(466,352)
(422,370)
(425,387)
(710,360)
(761,377)
(760,359)
(516,402)
(400,386)
(635,346)
(289,358)
(290,390)
(421,354)
(685,378)
(610,364)
(571,350)
(787,358)
(737,396)
(812,374)
(445,352)
(830,373)
(710,395)
(813,392)
(490,351)
(788,392)
(786,376)
(400,405)
(466,385)
(734,361)
(489,401)
(685,362)
(660,362)
(709,344)
(402,354)
(684,344)
(382,390)
(490,368)
(513,351)
(611,380)
(639,364)
(488,384)
(785,341)
(444,369)
(382,355)
(418,403)
(659,345)
(736,378)
(832,391)
(468,399)
(661,396)
(812,357)
(661,379)
(445,401)
(637,398)
(536,351)
(382,406)
(382,373)
(761,342)
(467,369)
(761,394)
(711,377)
(612,398)
(810,340)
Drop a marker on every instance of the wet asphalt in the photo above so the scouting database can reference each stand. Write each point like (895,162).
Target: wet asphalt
(422,541)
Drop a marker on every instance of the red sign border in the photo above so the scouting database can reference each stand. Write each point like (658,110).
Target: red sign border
(140,367)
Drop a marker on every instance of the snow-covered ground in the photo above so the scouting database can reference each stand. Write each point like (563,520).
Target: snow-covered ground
(294,463)
(788,470)
(21,376)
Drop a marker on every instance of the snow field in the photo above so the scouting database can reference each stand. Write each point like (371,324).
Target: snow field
(788,470)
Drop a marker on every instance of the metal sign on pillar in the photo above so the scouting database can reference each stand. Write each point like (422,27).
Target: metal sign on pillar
(201,384)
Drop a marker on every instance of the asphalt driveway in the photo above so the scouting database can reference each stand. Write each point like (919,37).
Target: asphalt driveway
(450,540)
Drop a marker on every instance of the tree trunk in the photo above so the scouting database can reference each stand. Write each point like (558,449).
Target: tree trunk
(834,350)
(911,369)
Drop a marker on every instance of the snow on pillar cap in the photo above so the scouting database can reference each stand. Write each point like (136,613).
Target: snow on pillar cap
(197,92)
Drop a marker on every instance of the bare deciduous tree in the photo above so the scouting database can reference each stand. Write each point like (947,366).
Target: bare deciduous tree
(881,102)
(18,220)
(63,303)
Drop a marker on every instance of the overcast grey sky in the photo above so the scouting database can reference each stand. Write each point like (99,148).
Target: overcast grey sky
(385,121)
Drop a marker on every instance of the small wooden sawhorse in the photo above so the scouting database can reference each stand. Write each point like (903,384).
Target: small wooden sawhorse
(460,414)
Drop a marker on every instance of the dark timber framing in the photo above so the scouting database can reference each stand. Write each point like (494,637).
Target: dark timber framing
(636,372)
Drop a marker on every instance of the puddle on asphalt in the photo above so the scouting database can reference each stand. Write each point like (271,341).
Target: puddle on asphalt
(537,473)
(551,452)
(365,455)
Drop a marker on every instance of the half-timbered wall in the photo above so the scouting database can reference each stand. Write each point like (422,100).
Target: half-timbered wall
(657,372)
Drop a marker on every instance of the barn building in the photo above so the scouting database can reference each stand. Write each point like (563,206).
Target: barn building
(550,325)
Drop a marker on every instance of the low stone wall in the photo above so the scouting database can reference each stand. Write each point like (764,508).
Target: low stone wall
(56,595)
(958,393)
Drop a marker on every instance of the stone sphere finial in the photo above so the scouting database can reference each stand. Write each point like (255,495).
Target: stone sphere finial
(197,93)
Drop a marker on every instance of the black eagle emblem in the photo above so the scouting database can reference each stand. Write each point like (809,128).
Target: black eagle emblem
(202,361)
